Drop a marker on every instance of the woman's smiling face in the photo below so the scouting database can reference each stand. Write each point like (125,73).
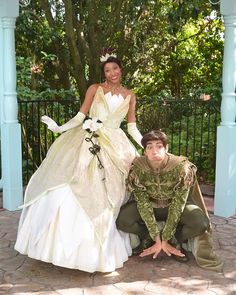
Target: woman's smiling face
(112,72)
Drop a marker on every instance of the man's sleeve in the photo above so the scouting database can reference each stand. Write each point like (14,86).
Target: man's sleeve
(146,211)
(181,192)
(175,211)
(143,203)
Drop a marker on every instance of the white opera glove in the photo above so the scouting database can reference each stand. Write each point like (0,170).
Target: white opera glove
(74,122)
(52,125)
(134,132)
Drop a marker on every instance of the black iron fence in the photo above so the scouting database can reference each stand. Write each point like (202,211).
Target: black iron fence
(190,124)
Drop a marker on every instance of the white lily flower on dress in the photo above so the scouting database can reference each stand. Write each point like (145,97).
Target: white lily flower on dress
(92,124)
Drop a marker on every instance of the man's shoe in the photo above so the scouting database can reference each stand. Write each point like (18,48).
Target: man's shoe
(144,244)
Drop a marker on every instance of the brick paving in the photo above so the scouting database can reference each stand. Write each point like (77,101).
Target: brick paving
(22,275)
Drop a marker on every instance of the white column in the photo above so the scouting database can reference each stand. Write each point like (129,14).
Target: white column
(10,128)
(1,80)
(10,107)
(225,187)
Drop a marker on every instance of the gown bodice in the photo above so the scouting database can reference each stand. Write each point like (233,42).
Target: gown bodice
(110,109)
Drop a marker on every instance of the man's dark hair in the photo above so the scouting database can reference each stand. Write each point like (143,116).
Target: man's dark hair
(110,59)
(154,135)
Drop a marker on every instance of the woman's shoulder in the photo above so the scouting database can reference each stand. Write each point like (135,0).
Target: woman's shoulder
(93,87)
(128,92)
(92,90)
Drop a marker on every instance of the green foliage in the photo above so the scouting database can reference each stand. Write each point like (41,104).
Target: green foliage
(31,83)
(164,45)
(171,50)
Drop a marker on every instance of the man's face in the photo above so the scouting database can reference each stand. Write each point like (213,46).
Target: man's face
(155,151)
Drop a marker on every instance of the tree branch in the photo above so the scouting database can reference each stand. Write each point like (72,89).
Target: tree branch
(75,55)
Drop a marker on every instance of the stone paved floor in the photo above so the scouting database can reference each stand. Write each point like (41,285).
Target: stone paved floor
(22,275)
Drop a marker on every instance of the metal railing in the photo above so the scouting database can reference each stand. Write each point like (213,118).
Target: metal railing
(36,138)
(190,125)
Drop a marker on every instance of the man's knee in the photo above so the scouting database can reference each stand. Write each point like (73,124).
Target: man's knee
(200,225)
(195,219)
(199,222)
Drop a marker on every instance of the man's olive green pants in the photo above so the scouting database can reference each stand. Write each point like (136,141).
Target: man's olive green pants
(193,221)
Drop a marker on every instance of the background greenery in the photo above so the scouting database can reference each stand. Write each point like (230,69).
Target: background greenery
(171,50)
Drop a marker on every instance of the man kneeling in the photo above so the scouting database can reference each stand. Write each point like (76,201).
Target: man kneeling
(165,188)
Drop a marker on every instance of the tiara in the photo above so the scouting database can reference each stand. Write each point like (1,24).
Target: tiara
(105,57)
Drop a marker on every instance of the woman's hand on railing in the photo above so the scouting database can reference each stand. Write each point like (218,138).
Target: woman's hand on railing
(52,125)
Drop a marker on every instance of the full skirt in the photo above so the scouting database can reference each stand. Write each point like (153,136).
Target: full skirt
(56,229)
(71,204)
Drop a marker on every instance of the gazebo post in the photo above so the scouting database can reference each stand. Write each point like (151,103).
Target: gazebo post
(11,155)
(225,185)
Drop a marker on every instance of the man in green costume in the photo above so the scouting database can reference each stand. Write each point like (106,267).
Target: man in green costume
(165,189)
